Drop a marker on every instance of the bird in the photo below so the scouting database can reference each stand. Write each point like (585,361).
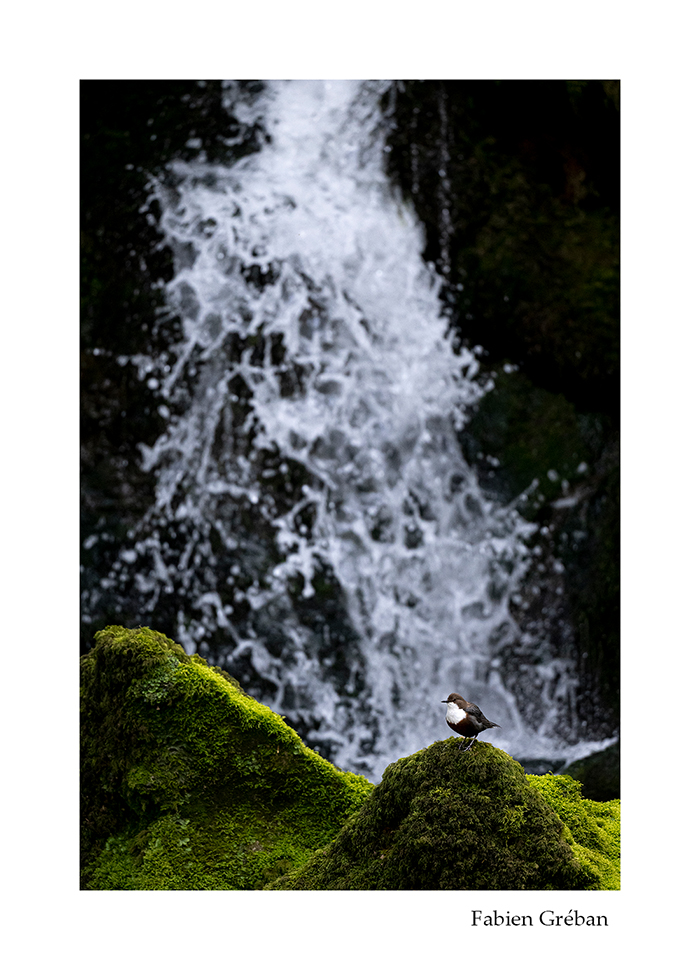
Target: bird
(465,718)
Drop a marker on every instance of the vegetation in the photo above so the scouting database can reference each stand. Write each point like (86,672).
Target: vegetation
(189,783)
(591,828)
(445,819)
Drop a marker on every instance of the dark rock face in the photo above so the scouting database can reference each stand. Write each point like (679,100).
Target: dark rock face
(599,773)
(517,184)
(445,819)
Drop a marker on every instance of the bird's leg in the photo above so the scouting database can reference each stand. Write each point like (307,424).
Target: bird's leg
(469,745)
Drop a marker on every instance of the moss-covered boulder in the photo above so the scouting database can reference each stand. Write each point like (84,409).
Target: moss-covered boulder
(446,819)
(591,828)
(189,783)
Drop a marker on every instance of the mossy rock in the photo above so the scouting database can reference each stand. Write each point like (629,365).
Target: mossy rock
(446,819)
(591,828)
(189,783)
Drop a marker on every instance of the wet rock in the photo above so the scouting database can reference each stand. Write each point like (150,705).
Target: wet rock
(599,773)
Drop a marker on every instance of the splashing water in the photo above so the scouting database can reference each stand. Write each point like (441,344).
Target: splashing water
(313,397)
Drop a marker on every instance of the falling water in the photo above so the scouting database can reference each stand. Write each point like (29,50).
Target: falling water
(310,479)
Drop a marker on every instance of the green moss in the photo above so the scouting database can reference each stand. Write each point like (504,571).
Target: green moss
(189,783)
(444,819)
(591,828)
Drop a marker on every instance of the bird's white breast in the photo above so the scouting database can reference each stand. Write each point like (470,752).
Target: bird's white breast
(454,714)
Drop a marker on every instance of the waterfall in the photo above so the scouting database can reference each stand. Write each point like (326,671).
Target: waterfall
(315,526)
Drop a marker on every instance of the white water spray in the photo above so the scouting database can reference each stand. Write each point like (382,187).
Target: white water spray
(312,332)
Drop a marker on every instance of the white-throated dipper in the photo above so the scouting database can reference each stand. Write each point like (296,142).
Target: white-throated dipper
(465,718)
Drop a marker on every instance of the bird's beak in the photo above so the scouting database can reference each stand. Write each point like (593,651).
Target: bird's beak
(443,702)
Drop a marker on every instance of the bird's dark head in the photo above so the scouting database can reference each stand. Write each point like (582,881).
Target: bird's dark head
(454,699)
